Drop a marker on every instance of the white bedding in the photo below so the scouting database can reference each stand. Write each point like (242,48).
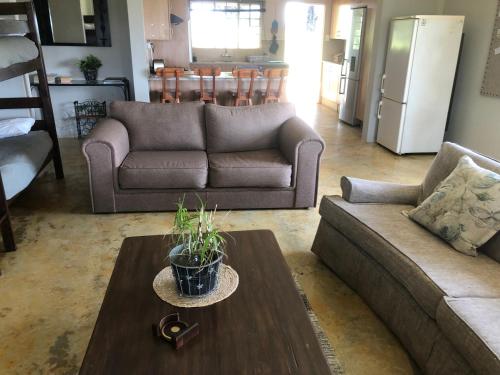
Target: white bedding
(13,27)
(21,158)
(16,49)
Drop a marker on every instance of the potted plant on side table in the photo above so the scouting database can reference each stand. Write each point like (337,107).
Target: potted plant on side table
(198,252)
(89,66)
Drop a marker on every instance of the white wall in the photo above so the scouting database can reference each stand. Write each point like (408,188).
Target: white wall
(138,51)
(475,119)
(386,10)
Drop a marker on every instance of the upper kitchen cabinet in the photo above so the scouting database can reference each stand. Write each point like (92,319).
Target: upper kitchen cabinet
(341,19)
(157,19)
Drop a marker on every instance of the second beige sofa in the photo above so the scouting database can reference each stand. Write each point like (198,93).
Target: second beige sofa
(443,306)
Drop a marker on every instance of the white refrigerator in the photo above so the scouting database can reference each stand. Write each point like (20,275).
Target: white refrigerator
(351,68)
(417,84)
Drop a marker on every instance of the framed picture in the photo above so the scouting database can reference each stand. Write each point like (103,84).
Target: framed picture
(491,80)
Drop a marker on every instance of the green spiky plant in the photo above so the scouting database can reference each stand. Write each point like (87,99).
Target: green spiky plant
(196,231)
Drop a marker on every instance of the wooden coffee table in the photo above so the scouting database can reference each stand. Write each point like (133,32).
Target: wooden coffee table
(263,328)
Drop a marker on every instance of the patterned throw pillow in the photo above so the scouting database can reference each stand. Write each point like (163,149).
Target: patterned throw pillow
(464,209)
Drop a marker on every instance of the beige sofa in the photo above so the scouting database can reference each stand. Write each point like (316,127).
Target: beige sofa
(442,305)
(145,157)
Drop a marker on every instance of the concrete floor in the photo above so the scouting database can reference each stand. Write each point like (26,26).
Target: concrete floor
(51,288)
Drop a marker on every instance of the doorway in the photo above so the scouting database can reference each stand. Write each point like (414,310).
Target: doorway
(304,28)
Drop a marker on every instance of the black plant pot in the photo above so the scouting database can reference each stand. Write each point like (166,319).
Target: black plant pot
(90,75)
(194,281)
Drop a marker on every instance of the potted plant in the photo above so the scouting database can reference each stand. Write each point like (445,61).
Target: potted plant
(89,67)
(198,251)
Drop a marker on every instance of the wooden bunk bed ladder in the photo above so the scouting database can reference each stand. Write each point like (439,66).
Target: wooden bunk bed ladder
(42,101)
(5,224)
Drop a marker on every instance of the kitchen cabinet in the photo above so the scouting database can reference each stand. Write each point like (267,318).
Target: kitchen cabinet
(330,80)
(157,19)
(341,19)
(340,26)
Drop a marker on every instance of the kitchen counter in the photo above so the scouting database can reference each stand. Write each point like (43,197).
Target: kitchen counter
(193,77)
(226,85)
(230,65)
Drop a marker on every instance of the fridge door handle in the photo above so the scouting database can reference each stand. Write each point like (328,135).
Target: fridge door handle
(344,65)
(342,87)
(382,84)
(379,110)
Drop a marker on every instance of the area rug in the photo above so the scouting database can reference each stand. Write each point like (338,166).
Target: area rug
(328,351)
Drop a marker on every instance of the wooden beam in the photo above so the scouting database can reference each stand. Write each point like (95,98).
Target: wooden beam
(39,125)
(19,68)
(11,9)
(14,103)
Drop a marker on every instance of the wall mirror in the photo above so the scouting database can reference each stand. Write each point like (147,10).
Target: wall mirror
(73,22)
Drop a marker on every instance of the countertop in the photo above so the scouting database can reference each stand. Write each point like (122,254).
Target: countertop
(193,77)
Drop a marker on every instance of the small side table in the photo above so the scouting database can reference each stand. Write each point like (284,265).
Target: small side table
(120,82)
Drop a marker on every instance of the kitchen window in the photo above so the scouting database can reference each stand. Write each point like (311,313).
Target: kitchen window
(224,24)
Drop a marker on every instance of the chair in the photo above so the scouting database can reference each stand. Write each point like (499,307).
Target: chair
(242,96)
(208,96)
(271,75)
(166,73)
(87,114)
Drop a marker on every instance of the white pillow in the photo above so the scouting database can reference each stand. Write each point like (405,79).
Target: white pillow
(13,127)
(464,209)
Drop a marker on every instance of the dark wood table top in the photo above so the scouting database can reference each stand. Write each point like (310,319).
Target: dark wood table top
(263,328)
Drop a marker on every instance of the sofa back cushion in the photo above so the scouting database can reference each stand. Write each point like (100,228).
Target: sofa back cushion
(162,127)
(252,128)
(446,161)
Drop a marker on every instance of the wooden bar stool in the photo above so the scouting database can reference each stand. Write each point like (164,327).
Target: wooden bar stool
(166,73)
(241,96)
(208,96)
(273,75)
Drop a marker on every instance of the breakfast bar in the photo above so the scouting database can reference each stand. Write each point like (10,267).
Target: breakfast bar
(226,84)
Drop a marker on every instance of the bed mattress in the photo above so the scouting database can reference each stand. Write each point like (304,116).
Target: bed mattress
(16,49)
(21,158)
(11,26)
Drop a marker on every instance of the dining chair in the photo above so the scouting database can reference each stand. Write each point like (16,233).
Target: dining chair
(166,74)
(205,95)
(273,75)
(244,96)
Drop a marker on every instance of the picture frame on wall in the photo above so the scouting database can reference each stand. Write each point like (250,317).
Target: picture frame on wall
(491,79)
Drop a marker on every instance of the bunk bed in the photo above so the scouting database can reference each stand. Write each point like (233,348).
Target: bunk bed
(23,157)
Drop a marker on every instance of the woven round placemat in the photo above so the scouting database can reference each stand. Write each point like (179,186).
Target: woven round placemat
(164,286)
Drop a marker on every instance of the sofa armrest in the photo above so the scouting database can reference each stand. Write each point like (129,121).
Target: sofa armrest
(356,190)
(302,147)
(105,149)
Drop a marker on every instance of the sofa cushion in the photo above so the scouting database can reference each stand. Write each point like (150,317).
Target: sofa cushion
(164,170)
(446,161)
(423,263)
(265,168)
(163,127)
(235,129)
(473,327)
(464,207)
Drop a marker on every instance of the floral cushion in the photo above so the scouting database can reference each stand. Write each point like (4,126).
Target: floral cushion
(464,209)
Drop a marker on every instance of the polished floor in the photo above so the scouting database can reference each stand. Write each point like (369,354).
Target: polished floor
(52,286)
